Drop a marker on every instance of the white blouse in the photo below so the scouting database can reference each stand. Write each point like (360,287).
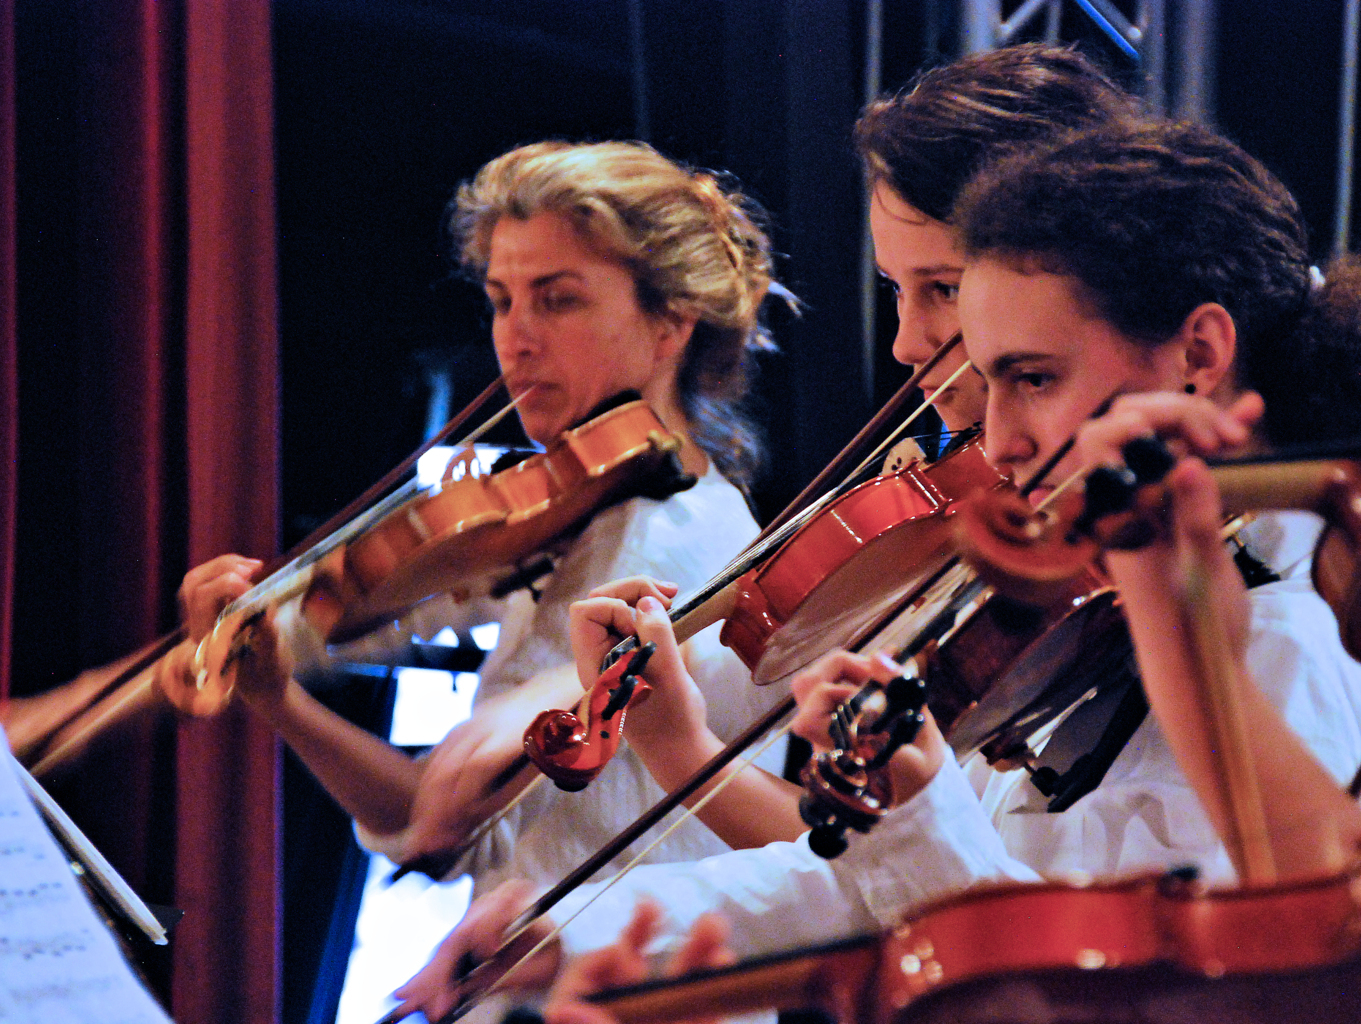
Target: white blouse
(958,832)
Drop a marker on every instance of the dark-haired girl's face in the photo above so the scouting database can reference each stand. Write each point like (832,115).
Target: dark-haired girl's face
(918,257)
(1048,360)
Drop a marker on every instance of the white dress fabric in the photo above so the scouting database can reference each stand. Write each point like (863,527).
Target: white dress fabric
(686,539)
(969,827)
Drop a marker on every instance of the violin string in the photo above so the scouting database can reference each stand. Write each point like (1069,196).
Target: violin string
(285,581)
(757,552)
(876,423)
(519,928)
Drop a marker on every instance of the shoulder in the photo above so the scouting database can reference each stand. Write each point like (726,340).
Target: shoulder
(686,538)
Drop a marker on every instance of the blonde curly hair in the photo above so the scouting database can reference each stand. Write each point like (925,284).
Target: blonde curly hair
(694,245)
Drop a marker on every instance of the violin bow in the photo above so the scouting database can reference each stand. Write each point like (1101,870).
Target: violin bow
(714,600)
(70,735)
(862,439)
(1220,688)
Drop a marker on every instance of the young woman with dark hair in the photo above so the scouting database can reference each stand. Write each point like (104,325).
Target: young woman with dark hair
(1153,265)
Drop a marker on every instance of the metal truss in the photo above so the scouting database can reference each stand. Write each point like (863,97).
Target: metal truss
(1174,56)
(1172,44)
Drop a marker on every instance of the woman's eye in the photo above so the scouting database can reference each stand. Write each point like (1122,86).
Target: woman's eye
(557,302)
(499,305)
(1033,381)
(946,290)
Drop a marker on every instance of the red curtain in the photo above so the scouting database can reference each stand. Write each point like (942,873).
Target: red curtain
(9,391)
(226,967)
(173,408)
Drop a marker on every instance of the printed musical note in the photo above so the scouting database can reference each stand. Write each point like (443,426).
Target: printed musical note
(58,963)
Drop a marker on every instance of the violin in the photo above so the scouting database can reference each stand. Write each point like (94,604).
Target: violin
(1032,554)
(374,560)
(1092,953)
(879,540)
(1033,631)
(788,596)
(461,530)
(1147,949)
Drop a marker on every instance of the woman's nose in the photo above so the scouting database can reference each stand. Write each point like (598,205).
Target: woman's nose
(513,333)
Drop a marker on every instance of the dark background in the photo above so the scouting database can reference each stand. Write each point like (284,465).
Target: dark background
(383,106)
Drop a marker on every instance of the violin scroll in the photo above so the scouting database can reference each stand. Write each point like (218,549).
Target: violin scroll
(572,748)
(1032,553)
(847,787)
(199,678)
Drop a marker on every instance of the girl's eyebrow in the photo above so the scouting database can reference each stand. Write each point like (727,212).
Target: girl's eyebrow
(1003,363)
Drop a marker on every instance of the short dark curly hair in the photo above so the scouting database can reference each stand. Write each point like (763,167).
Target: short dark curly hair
(1154,220)
(929,139)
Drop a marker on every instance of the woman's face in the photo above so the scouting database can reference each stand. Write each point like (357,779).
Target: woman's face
(1048,361)
(918,257)
(567,326)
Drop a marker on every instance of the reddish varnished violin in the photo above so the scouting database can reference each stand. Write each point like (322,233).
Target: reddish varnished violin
(879,541)
(1032,555)
(1152,949)
(816,577)
(1147,949)
(1046,632)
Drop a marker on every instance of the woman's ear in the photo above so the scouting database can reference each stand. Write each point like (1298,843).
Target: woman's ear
(673,334)
(1209,344)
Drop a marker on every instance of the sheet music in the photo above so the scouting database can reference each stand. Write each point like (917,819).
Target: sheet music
(58,962)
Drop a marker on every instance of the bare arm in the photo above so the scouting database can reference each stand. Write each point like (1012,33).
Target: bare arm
(413,807)
(373,781)
(1312,826)
(668,731)
(31,721)
(463,779)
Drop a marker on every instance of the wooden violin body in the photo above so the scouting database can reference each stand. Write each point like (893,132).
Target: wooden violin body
(1034,556)
(452,538)
(474,525)
(1122,952)
(852,565)
(843,570)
